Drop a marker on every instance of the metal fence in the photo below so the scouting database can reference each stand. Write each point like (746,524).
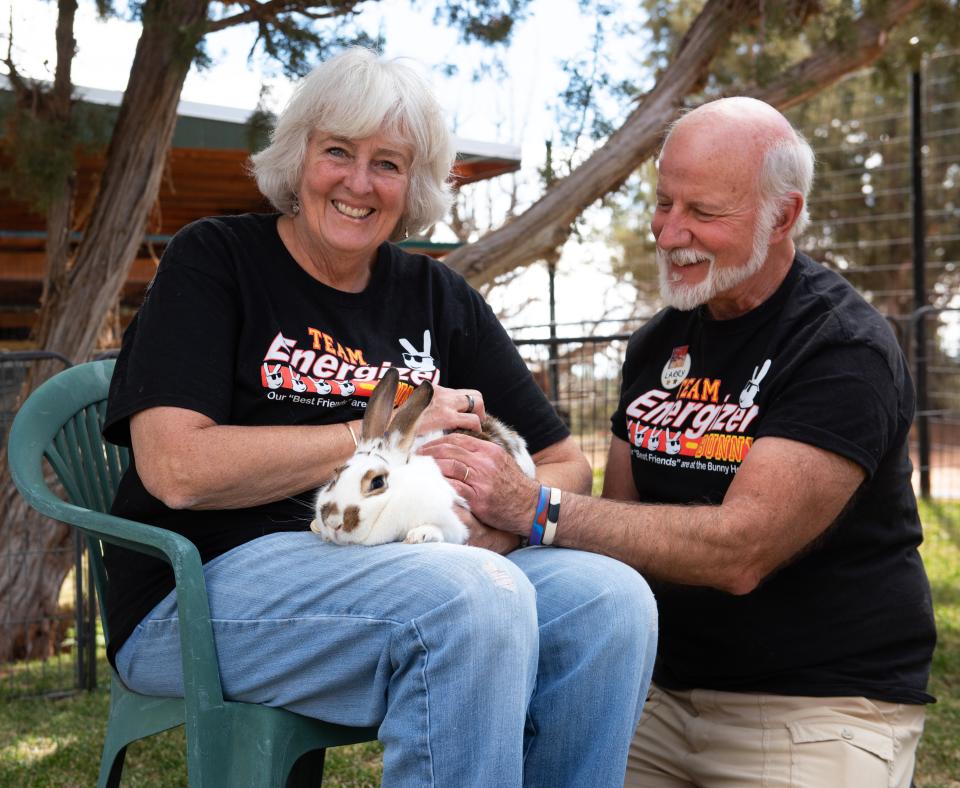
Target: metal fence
(72,627)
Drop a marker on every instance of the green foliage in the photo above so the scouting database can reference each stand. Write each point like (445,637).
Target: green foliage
(596,98)
(260,123)
(938,762)
(42,151)
(297,47)
(42,157)
(482,21)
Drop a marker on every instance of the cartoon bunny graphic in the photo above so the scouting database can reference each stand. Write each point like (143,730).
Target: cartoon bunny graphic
(273,377)
(321,385)
(298,384)
(673,442)
(752,388)
(420,360)
(640,434)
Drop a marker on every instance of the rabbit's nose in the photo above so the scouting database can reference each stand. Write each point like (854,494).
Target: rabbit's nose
(330,514)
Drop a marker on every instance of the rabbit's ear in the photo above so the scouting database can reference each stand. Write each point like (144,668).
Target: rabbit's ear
(380,406)
(403,428)
(758,376)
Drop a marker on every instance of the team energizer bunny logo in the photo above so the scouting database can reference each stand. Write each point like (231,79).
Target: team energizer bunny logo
(273,376)
(752,388)
(420,360)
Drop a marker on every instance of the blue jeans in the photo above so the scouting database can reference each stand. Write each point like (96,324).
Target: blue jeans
(478,669)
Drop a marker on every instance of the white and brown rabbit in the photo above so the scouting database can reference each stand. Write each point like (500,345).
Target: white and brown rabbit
(386,492)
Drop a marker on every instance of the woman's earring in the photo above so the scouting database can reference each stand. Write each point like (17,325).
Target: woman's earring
(295,207)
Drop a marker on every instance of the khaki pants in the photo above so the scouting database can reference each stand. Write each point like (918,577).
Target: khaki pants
(732,740)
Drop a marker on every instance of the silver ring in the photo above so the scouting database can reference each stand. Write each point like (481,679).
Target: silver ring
(469,403)
(466,473)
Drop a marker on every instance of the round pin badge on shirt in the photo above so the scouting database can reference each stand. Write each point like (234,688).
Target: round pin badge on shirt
(677,367)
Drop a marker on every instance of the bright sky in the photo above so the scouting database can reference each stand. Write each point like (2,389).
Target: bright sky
(517,111)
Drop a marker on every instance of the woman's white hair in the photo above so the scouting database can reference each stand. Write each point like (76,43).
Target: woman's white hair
(355,95)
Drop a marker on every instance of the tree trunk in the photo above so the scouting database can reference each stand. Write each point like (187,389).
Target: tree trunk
(37,554)
(172,30)
(131,180)
(60,108)
(545,226)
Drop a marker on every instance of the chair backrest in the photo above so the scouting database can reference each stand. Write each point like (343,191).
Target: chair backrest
(61,422)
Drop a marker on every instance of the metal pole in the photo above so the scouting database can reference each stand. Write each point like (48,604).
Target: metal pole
(80,634)
(554,355)
(919,278)
(553,371)
(91,679)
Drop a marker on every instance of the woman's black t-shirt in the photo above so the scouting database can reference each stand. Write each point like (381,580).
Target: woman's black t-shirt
(232,327)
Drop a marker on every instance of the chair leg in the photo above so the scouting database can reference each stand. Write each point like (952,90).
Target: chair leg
(111,778)
(307,772)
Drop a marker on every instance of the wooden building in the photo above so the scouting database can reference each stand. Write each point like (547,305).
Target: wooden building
(205,175)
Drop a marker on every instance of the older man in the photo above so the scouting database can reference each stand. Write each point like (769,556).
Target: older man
(759,477)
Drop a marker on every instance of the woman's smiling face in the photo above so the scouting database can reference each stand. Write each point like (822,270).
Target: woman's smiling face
(353,192)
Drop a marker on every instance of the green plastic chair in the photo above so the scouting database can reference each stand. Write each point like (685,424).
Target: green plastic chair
(228,744)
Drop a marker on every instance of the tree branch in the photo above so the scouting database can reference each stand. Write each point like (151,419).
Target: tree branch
(20,88)
(270,10)
(819,71)
(546,225)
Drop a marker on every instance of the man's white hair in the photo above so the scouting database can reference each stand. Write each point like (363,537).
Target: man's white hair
(354,95)
(788,167)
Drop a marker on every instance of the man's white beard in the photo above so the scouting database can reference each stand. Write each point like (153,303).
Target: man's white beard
(718,280)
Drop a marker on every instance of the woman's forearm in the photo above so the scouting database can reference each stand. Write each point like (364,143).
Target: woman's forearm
(189,462)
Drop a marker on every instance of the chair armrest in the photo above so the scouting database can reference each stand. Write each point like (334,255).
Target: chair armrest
(201,670)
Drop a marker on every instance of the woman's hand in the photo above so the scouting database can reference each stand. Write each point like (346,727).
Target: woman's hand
(452,409)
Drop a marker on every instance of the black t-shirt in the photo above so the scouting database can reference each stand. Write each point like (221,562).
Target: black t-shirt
(232,327)
(815,363)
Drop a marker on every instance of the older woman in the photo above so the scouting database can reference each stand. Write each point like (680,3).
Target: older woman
(239,387)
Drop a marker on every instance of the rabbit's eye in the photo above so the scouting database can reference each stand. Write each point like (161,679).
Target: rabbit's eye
(374,481)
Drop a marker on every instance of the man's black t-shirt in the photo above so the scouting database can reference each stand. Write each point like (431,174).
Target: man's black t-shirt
(815,363)
(232,327)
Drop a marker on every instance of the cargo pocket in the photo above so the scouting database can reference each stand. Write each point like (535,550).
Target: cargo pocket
(838,754)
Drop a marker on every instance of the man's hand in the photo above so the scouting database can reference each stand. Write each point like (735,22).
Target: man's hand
(489,479)
(486,537)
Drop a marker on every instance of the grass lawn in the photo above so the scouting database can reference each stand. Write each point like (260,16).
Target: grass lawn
(57,743)
(938,761)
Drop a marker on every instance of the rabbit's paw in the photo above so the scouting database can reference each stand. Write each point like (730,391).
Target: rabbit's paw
(424,533)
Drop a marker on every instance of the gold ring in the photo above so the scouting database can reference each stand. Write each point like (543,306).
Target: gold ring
(466,473)
(469,403)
